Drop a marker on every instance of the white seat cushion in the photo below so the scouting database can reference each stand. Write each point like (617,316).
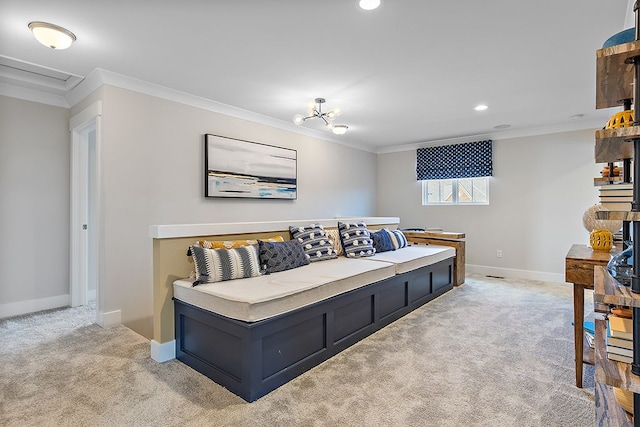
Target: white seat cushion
(413,257)
(257,298)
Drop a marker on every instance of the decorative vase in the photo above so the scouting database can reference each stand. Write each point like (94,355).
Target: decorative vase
(621,266)
(601,240)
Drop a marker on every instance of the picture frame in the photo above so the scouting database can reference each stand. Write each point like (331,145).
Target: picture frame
(236,168)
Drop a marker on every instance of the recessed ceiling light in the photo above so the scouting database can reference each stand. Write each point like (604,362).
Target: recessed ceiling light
(504,126)
(369,4)
(480,107)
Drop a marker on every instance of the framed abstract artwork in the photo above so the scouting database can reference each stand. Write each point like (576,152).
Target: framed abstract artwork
(237,168)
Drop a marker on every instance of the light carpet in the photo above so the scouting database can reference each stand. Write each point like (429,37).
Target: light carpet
(490,353)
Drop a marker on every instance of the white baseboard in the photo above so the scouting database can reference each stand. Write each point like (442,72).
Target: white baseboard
(110,318)
(162,352)
(512,273)
(33,305)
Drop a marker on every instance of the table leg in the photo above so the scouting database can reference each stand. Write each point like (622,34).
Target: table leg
(578,330)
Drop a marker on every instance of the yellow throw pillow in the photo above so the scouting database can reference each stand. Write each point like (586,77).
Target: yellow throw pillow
(233,244)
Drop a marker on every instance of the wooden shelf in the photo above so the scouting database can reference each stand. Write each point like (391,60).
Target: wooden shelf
(609,291)
(608,412)
(613,145)
(614,77)
(610,372)
(608,180)
(618,215)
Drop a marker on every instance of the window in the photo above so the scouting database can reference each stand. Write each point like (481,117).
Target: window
(457,191)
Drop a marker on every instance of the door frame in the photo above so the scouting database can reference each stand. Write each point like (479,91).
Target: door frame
(81,250)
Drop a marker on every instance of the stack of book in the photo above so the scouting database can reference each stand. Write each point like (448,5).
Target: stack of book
(589,332)
(620,339)
(617,197)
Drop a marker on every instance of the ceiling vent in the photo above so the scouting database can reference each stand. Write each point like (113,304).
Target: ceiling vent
(36,77)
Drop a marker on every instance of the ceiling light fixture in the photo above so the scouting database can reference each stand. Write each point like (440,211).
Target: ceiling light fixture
(369,4)
(480,107)
(52,35)
(315,111)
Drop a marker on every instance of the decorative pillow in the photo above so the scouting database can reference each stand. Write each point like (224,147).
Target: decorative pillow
(217,265)
(397,238)
(334,238)
(381,241)
(280,256)
(356,240)
(232,244)
(314,241)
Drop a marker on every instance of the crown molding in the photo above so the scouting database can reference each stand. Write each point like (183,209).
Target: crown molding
(33,95)
(591,124)
(100,77)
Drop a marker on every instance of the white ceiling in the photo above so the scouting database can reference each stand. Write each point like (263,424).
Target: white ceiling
(407,73)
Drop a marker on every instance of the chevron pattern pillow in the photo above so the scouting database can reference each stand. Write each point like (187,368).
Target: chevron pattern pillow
(217,265)
(356,240)
(314,241)
(280,256)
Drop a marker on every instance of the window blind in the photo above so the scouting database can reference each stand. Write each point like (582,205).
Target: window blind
(470,160)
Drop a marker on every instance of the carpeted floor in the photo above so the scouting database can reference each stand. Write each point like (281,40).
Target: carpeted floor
(490,353)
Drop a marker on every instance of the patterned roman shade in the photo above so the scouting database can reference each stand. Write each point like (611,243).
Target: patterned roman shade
(469,160)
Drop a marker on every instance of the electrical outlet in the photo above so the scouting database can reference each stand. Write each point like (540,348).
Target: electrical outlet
(499,253)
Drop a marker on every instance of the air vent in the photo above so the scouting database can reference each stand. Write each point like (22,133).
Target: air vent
(32,76)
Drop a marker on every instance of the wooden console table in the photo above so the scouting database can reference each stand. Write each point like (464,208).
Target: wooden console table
(444,238)
(579,269)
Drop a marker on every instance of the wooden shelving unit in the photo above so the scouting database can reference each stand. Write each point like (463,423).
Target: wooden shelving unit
(617,83)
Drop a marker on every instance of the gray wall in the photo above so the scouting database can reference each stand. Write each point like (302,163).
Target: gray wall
(540,188)
(152,162)
(34,205)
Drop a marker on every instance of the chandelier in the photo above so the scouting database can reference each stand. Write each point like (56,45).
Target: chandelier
(315,111)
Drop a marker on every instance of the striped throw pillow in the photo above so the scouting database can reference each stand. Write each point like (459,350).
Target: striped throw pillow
(217,265)
(398,239)
(356,240)
(314,241)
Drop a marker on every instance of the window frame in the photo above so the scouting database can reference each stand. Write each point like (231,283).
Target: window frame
(455,183)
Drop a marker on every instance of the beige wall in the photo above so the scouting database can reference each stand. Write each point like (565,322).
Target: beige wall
(152,162)
(34,203)
(539,191)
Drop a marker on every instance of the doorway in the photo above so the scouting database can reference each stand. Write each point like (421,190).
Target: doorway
(85,212)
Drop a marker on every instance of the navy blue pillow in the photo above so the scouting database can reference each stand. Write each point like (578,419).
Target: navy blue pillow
(381,241)
(280,256)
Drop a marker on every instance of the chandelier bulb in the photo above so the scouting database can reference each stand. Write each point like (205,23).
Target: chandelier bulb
(298,119)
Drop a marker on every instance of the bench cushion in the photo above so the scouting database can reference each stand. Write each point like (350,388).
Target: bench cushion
(259,298)
(412,257)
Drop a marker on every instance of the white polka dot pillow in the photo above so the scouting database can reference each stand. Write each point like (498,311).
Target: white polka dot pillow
(356,240)
(314,241)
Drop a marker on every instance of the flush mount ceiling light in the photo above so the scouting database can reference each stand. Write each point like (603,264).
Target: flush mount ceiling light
(315,111)
(369,4)
(52,35)
(480,107)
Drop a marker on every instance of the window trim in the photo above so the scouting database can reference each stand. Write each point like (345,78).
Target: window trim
(454,190)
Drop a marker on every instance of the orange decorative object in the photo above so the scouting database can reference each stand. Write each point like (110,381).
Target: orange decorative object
(622,119)
(601,240)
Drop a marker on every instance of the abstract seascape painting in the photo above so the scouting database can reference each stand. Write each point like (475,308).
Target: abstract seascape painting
(237,168)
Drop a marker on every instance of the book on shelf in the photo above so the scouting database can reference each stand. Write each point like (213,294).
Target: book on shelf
(619,342)
(589,326)
(616,199)
(620,351)
(619,358)
(619,327)
(616,193)
(590,339)
(617,206)
(617,186)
